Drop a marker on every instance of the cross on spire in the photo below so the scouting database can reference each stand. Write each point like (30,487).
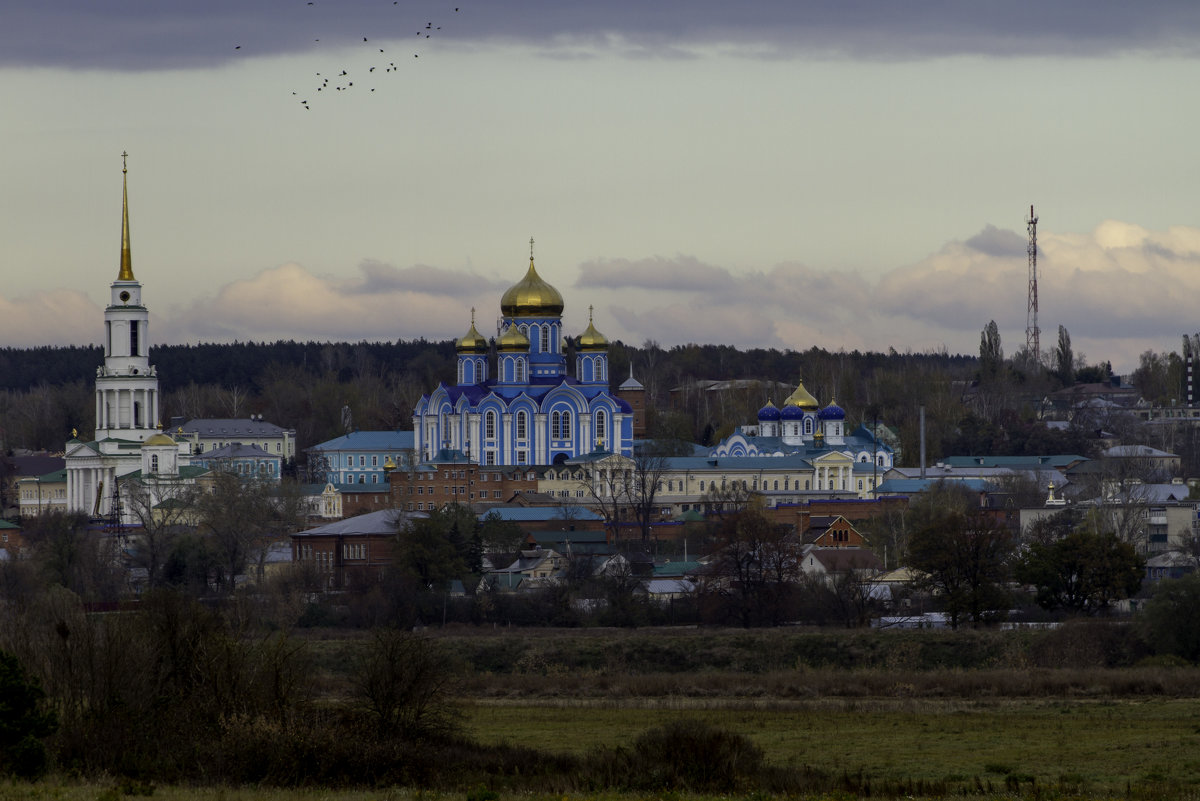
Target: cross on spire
(124,167)
(531,248)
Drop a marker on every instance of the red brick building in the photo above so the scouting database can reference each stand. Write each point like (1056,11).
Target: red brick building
(450,477)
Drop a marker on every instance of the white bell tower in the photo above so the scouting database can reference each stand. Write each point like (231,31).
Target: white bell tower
(127,384)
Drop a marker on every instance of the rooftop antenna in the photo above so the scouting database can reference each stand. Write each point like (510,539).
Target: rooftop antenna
(1032,334)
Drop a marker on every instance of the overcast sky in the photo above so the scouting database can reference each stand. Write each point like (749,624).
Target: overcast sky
(774,173)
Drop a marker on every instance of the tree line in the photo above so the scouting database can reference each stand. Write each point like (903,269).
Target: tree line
(988,403)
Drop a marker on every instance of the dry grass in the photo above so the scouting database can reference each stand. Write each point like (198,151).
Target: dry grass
(1106,746)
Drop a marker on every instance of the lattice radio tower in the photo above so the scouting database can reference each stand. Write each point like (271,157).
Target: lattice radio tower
(1032,334)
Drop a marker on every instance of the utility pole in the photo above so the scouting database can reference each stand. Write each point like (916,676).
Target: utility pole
(1032,334)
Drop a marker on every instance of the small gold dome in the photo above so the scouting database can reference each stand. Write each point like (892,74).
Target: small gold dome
(802,398)
(531,297)
(472,341)
(158,439)
(591,339)
(512,340)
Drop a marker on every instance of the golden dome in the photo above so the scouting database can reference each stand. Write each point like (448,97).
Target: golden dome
(591,339)
(531,296)
(512,339)
(472,341)
(158,439)
(802,398)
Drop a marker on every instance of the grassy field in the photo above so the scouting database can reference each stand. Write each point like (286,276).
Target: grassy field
(1105,746)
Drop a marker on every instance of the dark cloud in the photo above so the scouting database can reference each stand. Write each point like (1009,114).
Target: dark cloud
(680,274)
(150,34)
(993,241)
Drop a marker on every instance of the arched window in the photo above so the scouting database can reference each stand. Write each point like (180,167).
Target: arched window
(808,426)
(489,425)
(776,483)
(520,371)
(555,426)
(462,372)
(545,339)
(521,425)
(601,425)
(154,463)
(566,425)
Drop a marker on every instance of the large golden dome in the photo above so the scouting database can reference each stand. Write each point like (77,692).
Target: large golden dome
(531,297)
(802,398)
(472,341)
(158,439)
(591,339)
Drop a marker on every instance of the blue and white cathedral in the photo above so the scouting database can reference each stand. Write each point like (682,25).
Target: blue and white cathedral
(531,409)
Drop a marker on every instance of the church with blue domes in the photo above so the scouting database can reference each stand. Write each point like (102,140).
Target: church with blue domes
(801,426)
(520,404)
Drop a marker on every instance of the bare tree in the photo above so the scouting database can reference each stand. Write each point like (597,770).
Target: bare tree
(163,509)
(625,488)
(242,519)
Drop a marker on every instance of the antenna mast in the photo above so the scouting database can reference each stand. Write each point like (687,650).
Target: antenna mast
(1032,334)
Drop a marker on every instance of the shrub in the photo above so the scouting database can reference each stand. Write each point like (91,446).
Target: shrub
(1172,618)
(403,683)
(23,721)
(695,756)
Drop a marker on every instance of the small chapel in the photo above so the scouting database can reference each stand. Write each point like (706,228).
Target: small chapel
(515,400)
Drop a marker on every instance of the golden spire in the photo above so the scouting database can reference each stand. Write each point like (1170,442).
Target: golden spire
(126,273)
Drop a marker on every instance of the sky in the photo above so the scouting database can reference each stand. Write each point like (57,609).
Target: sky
(768,173)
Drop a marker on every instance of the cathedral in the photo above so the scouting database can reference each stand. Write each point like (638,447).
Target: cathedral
(519,404)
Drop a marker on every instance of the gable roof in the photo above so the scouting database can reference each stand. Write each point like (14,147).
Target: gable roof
(369,441)
(384,522)
(540,514)
(230,427)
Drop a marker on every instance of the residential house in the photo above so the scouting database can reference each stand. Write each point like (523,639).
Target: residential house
(357,545)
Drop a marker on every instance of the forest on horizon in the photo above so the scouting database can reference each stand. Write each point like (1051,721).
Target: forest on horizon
(45,392)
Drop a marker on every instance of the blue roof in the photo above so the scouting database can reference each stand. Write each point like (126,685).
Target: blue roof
(536,388)
(1057,460)
(369,441)
(709,463)
(540,514)
(908,486)
(236,450)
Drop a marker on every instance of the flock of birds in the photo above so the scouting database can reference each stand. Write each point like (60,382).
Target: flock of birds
(342,80)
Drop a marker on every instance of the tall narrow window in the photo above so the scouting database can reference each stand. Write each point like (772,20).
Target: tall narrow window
(520,370)
(521,425)
(133,337)
(601,426)
(490,425)
(545,339)
(555,426)
(566,425)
